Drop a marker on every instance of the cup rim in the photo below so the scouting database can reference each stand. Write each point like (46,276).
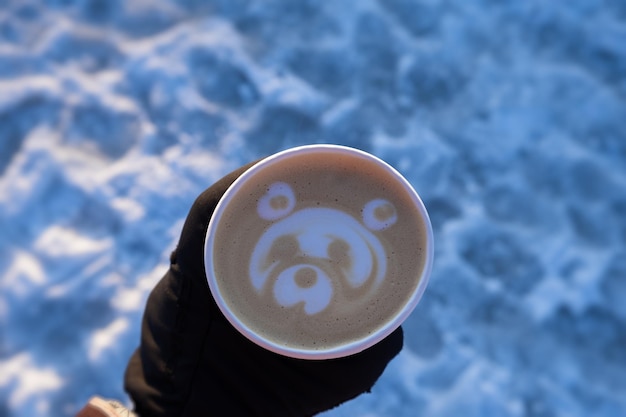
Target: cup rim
(336,351)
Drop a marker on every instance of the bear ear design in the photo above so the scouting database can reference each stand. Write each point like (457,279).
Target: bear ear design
(379,214)
(277,202)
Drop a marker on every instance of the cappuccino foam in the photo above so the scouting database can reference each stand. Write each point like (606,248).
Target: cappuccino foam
(318,250)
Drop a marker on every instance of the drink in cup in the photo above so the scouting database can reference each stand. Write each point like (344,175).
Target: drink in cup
(319,251)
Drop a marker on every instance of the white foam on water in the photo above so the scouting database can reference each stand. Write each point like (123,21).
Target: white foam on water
(30,382)
(105,338)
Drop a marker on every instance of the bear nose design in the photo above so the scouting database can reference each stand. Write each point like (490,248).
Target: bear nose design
(304,283)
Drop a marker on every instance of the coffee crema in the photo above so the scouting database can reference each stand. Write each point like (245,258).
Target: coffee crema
(317,250)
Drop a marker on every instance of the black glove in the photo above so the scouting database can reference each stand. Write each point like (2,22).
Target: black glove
(192,362)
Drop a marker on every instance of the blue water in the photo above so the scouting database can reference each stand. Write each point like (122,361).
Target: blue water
(508,117)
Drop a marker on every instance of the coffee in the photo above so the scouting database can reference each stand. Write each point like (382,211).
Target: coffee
(319,249)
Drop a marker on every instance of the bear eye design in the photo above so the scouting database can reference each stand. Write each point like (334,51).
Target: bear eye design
(379,214)
(277,202)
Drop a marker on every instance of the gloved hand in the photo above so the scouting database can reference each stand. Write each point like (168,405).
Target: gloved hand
(192,362)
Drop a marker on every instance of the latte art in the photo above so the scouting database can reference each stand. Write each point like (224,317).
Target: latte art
(327,243)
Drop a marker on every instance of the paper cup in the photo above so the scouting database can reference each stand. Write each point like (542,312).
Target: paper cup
(318,237)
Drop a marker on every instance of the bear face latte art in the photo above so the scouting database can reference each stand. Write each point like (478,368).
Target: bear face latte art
(318,251)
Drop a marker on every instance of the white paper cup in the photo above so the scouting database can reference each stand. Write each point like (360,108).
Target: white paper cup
(311,235)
